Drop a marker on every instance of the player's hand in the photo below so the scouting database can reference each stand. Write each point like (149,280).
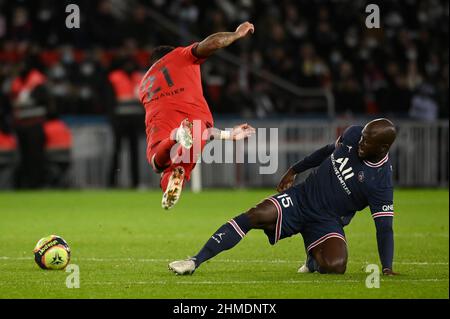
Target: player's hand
(389,272)
(287,180)
(244,28)
(242,131)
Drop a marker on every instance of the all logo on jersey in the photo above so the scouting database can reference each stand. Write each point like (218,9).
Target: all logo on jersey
(342,173)
(346,172)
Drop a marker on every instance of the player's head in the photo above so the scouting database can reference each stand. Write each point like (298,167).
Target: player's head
(159,52)
(376,139)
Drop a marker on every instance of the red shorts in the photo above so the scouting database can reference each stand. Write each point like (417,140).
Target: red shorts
(161,127)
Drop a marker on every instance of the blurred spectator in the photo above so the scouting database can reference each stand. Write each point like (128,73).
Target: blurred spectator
(140,27)
(423,104)
(105,26)
(21,27)
(58,145)
(348,91)
(30,101)
(312,70)
(394,96)
(8,144)
(127,116)
(94,92)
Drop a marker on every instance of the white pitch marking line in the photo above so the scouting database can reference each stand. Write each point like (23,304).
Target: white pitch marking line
(252,261)
(253,282)
(249,282)
(420,235)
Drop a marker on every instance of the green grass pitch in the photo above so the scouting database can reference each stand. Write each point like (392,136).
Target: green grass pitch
(122,242)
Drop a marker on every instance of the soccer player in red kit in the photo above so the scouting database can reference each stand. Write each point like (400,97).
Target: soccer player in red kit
(172,94)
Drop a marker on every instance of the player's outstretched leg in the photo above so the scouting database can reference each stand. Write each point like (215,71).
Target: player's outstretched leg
(329,257)
(263,216)
(174,177)
(161,158)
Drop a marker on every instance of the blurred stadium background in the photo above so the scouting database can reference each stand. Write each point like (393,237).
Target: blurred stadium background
(67,96)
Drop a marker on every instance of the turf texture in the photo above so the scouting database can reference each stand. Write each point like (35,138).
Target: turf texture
(122,242)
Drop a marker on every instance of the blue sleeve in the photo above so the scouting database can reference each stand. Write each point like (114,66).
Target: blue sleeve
(313,160)
(385,240)
(382,210)
(352,135)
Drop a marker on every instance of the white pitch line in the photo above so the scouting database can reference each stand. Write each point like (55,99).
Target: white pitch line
(238,261)
(244,282)
(255,282)
(248,282)
(419,263)
(419,235)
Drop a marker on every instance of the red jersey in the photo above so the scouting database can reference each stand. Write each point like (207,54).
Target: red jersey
(173,83)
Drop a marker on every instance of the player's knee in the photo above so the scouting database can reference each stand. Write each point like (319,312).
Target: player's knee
(155,166)
(333,266)
(255,218)
(262,216)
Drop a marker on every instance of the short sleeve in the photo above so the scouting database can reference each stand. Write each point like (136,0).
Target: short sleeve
(188,53)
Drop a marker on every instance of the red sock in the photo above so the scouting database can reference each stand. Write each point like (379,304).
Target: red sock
(162,154)
(165,179)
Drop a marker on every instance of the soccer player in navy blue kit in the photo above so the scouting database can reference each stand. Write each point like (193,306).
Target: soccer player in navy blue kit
(352,173)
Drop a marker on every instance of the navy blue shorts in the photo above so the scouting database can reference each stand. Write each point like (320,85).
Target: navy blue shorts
(292,220)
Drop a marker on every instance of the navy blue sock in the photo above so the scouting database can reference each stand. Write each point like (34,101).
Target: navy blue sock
(311,263)
(226,237)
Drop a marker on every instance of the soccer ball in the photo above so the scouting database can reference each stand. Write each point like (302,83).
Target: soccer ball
(52,252)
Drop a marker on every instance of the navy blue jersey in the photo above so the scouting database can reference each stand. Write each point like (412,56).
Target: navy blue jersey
(344,184)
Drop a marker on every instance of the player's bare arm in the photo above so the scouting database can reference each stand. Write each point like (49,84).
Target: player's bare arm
(221,40)
(239,132)
(287,180)
(313,160)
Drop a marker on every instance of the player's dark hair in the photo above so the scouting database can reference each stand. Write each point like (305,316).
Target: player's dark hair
(159,52)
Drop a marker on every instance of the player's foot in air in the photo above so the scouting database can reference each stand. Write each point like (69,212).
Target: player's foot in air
(174,187)
(183,267)
(184,134)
